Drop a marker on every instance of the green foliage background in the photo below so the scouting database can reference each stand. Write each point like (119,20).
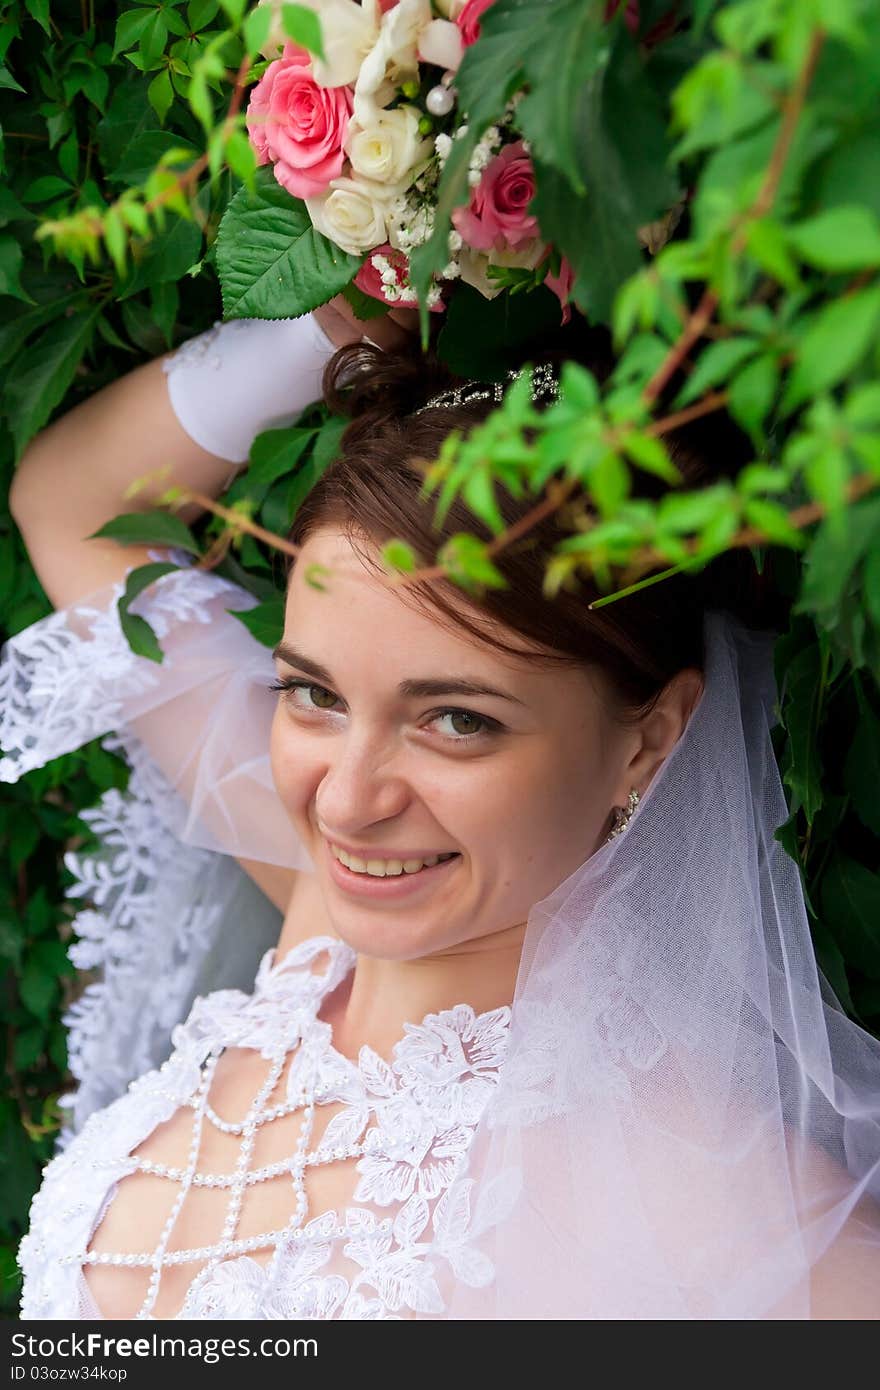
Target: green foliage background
(102,106)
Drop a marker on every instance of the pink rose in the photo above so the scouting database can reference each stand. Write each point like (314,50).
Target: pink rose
(297,125)
(369,279)
(561,285)
(496,216)
(469,20)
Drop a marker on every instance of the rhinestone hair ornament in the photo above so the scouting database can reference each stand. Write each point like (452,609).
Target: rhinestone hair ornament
(545,386)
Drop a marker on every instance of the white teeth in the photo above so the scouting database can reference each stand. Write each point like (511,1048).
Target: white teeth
(386,868)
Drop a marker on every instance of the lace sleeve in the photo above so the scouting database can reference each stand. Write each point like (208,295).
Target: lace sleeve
(166,913)
(203,715)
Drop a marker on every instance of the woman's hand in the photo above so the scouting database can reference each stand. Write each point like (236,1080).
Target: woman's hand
(395,330)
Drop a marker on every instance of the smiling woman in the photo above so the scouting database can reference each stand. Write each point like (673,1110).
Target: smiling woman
(586,1066)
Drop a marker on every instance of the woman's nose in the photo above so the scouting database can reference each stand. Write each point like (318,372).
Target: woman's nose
(360,786)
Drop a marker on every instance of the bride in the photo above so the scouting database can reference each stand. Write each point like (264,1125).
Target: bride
(542,1035)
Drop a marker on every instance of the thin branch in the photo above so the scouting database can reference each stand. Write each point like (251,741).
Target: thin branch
(801,517)
(238,521)
(705,311)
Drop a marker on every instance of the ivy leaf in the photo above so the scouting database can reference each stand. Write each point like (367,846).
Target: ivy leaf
(272,262)
(715,364)
(802,708)
(850,898)
(11,258)
(275,453)
(148,528)
(161,94)
(752,392)
(837,340)
(303,25)
(8,81)
(138,633)
(39,10)
(38,381)
(623,161)
(844,238)
(265,621)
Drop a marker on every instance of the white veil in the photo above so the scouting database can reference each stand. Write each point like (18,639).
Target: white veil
(687,1125)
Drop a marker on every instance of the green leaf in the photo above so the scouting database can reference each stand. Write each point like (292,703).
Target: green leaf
(240,156)
(275,453)
(832,558)
(804,691)
(48,186)
(165,303)
(465,559)
(767,244)
(265,621)
(153,37)
(752,392)
(649,454)
(715,364)
(138,633)
(773,520)
(148,528)
(200,13)
(398,555)
(38,990)
(841,239)
(272,262)
(622,152)
(837,340)
(129,28)
(303,26)
(364,306)
(167,256)
(850,898)
(39,10)
(161,94)
(11,258)
(143,152)
(38,381)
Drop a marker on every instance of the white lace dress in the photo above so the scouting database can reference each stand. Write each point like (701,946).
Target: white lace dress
(407,1123)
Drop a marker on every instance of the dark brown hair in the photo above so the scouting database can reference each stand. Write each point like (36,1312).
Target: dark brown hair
(371,492)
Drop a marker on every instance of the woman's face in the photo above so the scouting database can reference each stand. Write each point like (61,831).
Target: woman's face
(519,785)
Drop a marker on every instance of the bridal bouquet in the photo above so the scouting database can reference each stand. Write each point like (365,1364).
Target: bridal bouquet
(361,134)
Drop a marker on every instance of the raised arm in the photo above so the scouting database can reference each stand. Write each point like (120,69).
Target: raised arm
(199,412)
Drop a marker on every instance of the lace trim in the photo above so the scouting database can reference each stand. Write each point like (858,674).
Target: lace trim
(151,897)
(47,708)
(412,1118)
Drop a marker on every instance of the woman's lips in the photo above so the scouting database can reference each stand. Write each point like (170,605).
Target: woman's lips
(372,886)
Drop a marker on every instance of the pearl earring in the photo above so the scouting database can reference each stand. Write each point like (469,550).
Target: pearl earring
(623,816)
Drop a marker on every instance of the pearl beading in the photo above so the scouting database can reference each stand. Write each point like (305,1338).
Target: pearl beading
(236,1182)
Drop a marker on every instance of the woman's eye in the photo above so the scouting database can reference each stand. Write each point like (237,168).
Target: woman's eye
(462,721)
(289,685)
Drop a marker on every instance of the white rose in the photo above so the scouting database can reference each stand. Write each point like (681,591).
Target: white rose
(450,8)
(393,58)
(353,214)
(473,265)
(349,32)
(441,43)
(389,147)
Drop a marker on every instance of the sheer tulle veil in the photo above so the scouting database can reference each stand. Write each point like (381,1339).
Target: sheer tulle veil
(686,1125)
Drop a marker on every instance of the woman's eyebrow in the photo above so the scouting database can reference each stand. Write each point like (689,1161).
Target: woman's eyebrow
(408,689)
